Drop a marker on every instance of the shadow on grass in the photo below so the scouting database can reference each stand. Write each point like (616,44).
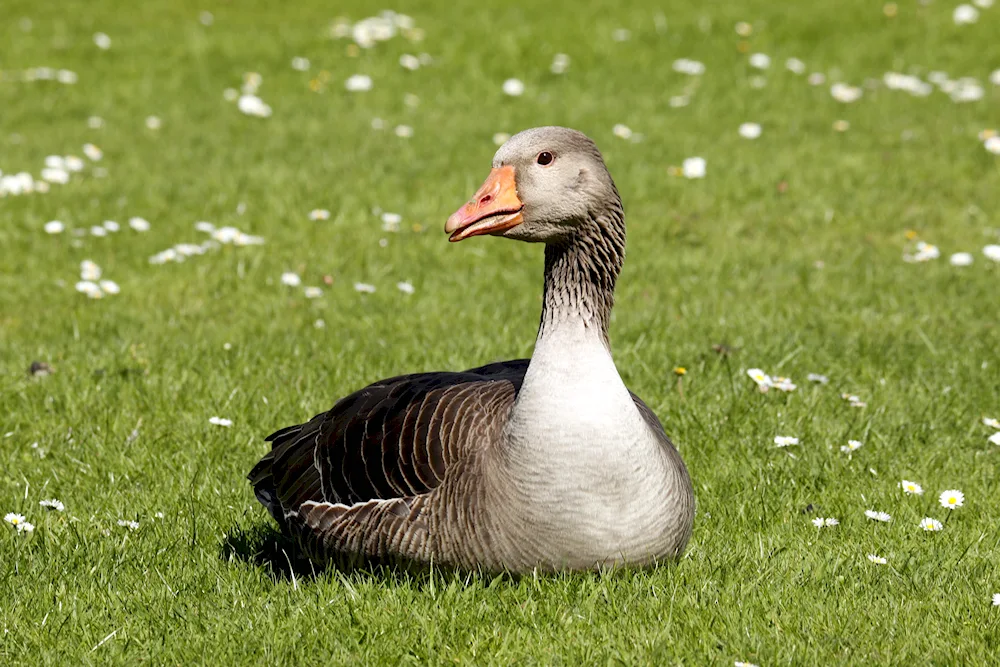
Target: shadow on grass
(264,547)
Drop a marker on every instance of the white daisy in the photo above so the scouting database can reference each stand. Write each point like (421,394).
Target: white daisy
(785,440)
(965,15)
(403,131)
(319,214)
(961,259)
(795,66)
(102,41)
(52,504)
(760,60)
(841,125)
(513,87)
(762,379)
(911,488)
(992,144)
(230,94)
(131,525)
(300,64)
(995,77)
(153,122)
(816,79)
(93,152)
(995,438)
(851,446)
(783,384)
(818,522)
(290,279)
(622,131)
(220,421)
(358,83)
(90,288)
(313,292)
(992,252)
(740,663)
(251,105)
(830,521)
(109,287)
(951,499)
(319,324)
(14,519)
(405,287)
(66,76)
(996,599)
(816,377)
(89,270)
(500,138)
(991,422)
(54,175)
(57,227)
(689,67)
(111,225)
(138,224)
(560,63)
(95,122)
(364,288)
(97,230)
(694,167)
(931,525)
(750,130)
(884,517)
(845,93)
(878,560)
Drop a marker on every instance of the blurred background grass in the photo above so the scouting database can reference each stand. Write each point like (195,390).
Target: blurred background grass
(729,259)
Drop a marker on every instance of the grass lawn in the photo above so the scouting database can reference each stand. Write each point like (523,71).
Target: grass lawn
(789,252)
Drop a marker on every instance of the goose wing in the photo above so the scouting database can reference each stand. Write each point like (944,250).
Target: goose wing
(396,438)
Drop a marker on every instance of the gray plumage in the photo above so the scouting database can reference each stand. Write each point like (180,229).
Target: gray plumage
(547,463)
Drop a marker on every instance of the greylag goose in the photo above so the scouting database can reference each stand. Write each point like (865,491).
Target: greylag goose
(549,463)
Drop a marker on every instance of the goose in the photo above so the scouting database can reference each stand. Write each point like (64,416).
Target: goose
(541,464)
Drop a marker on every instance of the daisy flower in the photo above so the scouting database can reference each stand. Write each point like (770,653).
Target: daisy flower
(911,487)
(364,288)
(991,422)
(995,438)
(319,214)
(996,599)
(406,287)
(931,525)
(783,384)
(500,138)
(762,379)
(153,122)
(760,60)
(57,227)
(313,292)
(513,87)
(816,377)
(750,130)
(131,525)
(92,152)
(694,167)
(403,131)
(52,504)
(785,440)
(878,560)
(358,83)
(851,446)
(220,421)
(290,279)
(951,499)
(828,522)
(560,63)
(884,517)
(740,663)
(622,131)
(992,252)
(961,259)
(14,519)
(965,15)
(795,66)
(138,224)
(89,270)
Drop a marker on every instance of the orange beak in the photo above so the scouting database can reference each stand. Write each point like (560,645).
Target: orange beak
(494,209)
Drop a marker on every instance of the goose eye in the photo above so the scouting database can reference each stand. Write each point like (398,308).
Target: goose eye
(545,158)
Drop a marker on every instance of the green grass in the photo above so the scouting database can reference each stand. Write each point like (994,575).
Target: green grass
(728,259)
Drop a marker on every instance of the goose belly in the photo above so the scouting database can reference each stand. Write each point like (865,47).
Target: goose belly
(591,488)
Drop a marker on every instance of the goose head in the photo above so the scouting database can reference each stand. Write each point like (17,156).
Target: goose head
(546,183)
